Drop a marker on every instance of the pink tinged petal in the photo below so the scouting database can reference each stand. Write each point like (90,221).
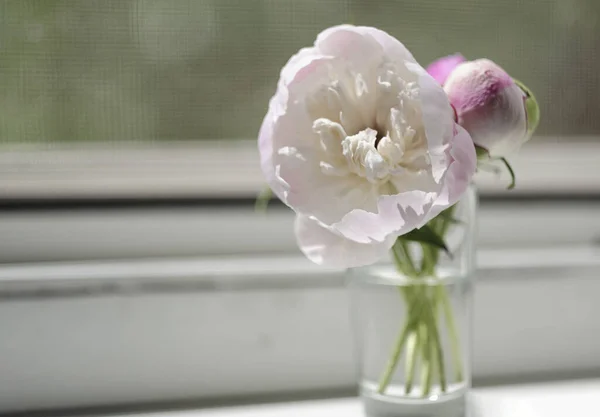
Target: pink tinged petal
(357,56)
(348,43)
(501,128)
(397,214)
(309,77)
(328,169)
(409,181)
(325,246)
(366,49)
(296,62)
(441,68)
(291,151)
(311,190)
(392,47)
(344,99)
(361,44)
(265,147)
(489,106)
(438,119)
(475,84)
(270,136)
(288,126)
(288,129)
(459,174)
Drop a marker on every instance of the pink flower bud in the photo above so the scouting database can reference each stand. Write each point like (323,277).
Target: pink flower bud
(441,68)
(489,105)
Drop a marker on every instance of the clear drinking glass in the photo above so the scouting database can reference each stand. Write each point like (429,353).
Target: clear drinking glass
(413,335)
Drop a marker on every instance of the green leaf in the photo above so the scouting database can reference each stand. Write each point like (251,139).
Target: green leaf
(532,108)
(447,215)
(481,153)
(426,235)
(403,258)
(262,200)
(511,172)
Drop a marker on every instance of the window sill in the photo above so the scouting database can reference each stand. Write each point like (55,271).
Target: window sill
(547,165)
(556,399)
(84,235)
(135,332)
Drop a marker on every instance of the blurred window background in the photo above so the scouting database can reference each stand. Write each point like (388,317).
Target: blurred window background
(185,70)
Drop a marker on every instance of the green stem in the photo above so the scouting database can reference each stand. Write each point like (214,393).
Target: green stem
(414,311)
(263,200)
(426,352)
(442,225)
(510,172)
(429,260)
(447,219)
(411,359)
(406,267)
(420,337)
(435,366)
(454,340)
(434,334)
(404,251)
(393,361)
(400,263)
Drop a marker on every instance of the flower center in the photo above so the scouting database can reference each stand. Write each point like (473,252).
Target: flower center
(380,135)
(371,130)
(368,155)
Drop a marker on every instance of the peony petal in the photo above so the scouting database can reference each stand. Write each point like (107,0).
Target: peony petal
(324,246)
(288,125)
(489,105)
(265,148)
(326,197)
(278,130)
(348,43)
(459,174)
(357,57)
(441,68)
(401,213)
(291,152)
(473,84)
(267,140)
(354,41)
(392,47)
(438,116)
(364,50)
(397,214)
(292,162)
(296,62)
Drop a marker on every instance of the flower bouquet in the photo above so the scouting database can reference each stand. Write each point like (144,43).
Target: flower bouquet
(376,155)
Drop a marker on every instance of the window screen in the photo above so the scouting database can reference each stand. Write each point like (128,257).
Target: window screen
(149,70)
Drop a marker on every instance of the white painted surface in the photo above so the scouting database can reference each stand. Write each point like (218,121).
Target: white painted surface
(557,399)
(137,331)
(121,234)
(547,164)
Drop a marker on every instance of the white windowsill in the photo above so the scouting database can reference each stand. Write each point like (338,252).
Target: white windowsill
(231,168)
(557,399)
(72,235)
(143,331)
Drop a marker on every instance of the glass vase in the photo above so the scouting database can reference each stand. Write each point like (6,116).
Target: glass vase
(411,315)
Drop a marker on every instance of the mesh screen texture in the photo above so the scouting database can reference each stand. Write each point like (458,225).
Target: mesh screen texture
(136,70)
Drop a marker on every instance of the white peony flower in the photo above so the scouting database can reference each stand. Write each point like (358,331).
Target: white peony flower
(361,142)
